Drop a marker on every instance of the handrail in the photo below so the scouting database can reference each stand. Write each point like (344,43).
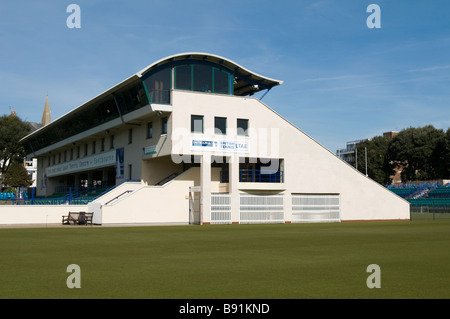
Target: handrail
(261,176)
(168,178)
(115,186)
(117,197)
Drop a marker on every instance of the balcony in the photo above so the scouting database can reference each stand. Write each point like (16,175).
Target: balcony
(261,176)
(255,176)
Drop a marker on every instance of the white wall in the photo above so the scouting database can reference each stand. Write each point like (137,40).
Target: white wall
(154,204)
(36,214)
(308,166)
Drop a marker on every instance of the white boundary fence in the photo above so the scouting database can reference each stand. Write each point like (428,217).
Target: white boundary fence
(315,208)
(257,209)
(220,208)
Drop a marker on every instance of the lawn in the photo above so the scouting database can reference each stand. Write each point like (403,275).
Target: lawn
(289,261)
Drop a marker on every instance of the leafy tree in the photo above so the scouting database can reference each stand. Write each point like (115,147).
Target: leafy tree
(420,151)
(17,176)
(378,167)
(446,157)
(12,129)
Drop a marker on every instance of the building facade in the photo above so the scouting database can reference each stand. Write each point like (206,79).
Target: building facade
(184,141)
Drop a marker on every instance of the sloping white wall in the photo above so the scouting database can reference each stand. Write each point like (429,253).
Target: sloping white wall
(167,204)
(309,168)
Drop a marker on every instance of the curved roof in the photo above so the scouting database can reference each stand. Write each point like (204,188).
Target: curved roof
(246,82)
(247,88)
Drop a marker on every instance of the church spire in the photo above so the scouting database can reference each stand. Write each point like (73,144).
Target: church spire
(46,117)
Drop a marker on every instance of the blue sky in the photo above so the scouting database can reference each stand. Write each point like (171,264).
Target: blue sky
(342,80)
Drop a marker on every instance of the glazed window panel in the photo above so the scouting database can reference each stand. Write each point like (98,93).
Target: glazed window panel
(158,86)
(183,77)
(221,81)
(242,127)
(202,78)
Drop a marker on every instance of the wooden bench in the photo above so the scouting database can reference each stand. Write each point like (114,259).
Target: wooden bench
(78,218)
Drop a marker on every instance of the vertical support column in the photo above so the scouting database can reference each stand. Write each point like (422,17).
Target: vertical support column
(205,186)
(90,179)
(233,187)
(287,200)
(104,176)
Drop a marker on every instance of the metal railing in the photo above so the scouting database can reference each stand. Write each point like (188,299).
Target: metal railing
(261,176)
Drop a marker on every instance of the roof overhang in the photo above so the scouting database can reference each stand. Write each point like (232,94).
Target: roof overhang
(253,81)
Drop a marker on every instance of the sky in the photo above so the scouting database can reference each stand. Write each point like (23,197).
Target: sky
(342,80)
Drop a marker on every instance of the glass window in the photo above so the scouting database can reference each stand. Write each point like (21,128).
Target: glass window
(102,145)
(202,78)
(159,85)
(221,82)
(93,147)
(220,125)
(130,136)
(149,129)
(196,123)
(183,77)
(164,125)
(242,127)
(111,142)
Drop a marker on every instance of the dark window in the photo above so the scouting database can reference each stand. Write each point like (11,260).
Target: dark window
(202,78)
(111,142)
(197,123)
(130,136)
(85,149)
(220,125)
(102,145)
(149,129)
(242,127)
(221,82)
(159,85)
(164,125)
(183,77)
(93,147)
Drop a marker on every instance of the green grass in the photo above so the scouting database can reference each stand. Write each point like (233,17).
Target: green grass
(229,261)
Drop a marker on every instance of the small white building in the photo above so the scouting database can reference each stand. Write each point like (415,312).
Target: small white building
(184,141)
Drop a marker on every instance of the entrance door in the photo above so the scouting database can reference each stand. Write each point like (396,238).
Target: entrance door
(194,206)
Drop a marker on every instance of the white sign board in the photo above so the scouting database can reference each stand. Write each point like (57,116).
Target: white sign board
(82,164)
(217,145)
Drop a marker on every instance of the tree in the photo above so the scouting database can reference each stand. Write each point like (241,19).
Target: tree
(17,176)
(446,157)
(420,151)
(378,167)
(12,129)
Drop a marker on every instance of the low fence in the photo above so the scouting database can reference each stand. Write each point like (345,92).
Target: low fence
(220,208)
(430,212)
